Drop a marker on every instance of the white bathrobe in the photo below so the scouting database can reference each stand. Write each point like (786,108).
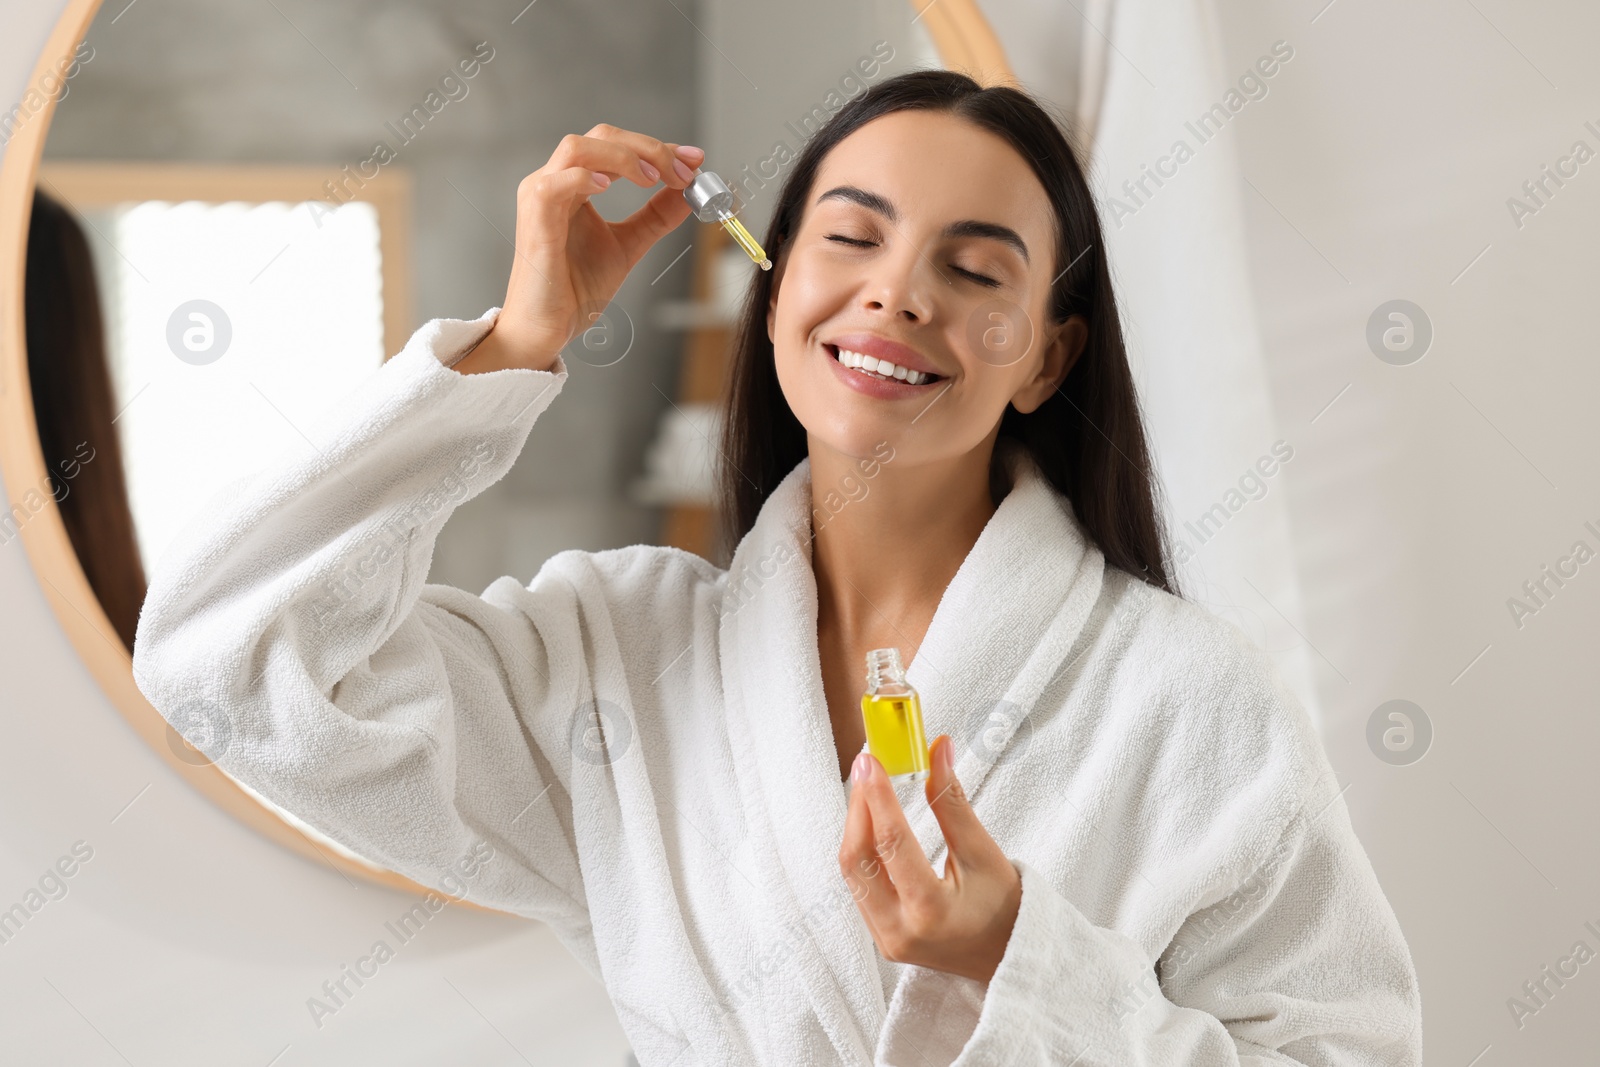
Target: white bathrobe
(641,739)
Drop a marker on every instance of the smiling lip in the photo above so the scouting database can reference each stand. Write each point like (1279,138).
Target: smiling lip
(875,387)
(883,348)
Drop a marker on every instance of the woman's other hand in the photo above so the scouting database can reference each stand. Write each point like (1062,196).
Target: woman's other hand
(570,262)
(960,922)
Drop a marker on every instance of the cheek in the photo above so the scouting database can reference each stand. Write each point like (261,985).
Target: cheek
(989,389)
(812,285)
(807,299)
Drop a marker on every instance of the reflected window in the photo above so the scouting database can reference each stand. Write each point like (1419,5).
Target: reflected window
(227,326)
(232,318)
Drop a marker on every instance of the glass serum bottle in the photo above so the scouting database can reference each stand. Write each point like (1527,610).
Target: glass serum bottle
(893,716)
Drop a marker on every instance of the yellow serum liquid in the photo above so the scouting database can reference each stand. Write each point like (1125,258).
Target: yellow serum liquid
(892,714)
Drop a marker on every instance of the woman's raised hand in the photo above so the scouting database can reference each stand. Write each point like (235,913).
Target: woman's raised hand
(569,261)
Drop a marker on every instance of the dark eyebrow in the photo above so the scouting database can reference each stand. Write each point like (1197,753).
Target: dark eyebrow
(965,228)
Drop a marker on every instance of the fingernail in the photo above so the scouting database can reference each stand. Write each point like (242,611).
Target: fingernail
(690,154)
(948,756)
(600,180)
(859,769)
(683,171)
(650,173)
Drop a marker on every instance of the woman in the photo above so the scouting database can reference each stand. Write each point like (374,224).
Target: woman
(1144,855)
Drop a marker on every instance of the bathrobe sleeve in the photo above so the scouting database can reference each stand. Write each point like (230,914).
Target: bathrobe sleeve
(1302,962)
(288,633)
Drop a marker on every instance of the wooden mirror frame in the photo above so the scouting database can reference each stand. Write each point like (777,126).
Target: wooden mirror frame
(965,42)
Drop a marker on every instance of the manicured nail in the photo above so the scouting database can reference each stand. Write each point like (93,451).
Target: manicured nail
(600,180)
(683,171)
(690,154)
(650,173)
(859,770)
(947,756)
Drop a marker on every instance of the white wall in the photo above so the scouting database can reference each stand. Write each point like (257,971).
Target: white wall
(1427,494)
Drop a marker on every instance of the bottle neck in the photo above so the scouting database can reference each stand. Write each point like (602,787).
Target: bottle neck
(884,671)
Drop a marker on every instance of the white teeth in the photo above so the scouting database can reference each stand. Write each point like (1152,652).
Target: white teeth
(881,367)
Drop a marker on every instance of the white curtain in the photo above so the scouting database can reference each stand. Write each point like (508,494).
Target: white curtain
(1145,73)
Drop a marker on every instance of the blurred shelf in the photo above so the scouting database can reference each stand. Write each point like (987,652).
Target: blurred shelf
(681,463)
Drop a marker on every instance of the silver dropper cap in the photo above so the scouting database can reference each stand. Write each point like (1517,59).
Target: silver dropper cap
(710,197)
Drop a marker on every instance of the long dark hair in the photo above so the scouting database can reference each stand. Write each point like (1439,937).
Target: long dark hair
(74,407)
(1088,438)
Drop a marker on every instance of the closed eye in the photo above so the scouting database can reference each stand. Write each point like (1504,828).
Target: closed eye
(981,279)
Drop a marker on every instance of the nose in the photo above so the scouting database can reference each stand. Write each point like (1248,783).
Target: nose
(899,285)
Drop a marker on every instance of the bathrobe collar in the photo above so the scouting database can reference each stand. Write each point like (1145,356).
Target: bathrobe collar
(1008,622)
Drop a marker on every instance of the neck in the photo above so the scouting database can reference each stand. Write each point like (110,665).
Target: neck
(885,547)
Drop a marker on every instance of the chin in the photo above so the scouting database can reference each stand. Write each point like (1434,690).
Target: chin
(858,440)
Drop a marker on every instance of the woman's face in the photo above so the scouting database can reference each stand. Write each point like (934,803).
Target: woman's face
(927,241)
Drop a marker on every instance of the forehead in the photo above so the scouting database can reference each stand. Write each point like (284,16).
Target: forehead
(936,167)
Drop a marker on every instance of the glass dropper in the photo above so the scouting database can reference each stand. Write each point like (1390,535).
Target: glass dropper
(712,201)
